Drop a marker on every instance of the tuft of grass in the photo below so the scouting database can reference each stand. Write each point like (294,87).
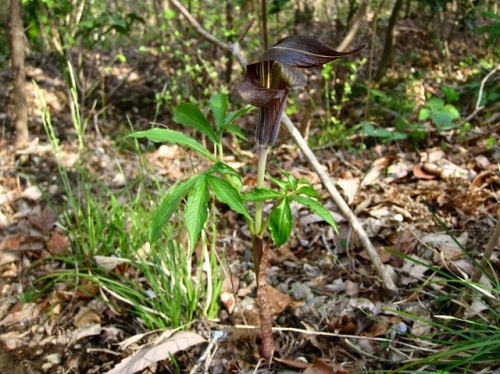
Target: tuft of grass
(464,332)
(162,284)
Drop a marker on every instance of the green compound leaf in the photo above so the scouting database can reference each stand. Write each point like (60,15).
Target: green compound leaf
(228,195)
(174,137)
(316,207)
(261,194)
(234,115)
(233,129)
(280,222)
(223,168)
(307,190)
(284,185)
(169,204)
(196,210)
(218,106)
(190,115)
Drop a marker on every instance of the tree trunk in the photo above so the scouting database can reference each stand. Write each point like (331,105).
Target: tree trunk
(354,26)
(389,41)
(229,26)
(17,51)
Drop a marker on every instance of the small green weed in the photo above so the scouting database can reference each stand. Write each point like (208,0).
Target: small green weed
(443,116)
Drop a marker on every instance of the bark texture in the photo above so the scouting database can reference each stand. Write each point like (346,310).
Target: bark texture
(17,42)
(390,37)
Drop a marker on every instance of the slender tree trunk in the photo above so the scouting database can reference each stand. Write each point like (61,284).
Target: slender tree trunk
(389,41)
(263,10)
(17,43)
(354,26)
(229,26)
(160,21)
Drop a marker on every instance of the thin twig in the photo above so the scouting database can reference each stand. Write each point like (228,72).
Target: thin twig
(234,48)
(479,107)
(344,336)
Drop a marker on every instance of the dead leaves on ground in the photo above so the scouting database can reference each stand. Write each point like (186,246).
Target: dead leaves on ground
(322,283)
(158,351)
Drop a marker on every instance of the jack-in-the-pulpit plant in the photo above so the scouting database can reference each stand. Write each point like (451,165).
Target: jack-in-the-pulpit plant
(266,85)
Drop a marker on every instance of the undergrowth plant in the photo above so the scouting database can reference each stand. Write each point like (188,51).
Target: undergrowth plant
(464,330)
(458,342)
(109,248)
(266,85)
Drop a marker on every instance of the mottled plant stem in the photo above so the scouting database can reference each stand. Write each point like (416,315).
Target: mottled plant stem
(261,261)
(266,328)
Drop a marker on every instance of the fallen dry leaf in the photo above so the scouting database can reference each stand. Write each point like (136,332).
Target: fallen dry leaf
(148,355)
(12,242)
(44,220)
(486,177)
(398,170)
(384,255)
(12,340)
(28,312)
(278,301)
(32,193)
(292,363)
(432,155)
(228,300)
(420,173)
(110,262)
(58,244)
(377,169)
(349,187)
(83,332)
(86,316)
(321,367)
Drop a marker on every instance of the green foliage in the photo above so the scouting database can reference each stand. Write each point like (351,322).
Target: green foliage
(190,115)
(195,188)
(442,115)
(174,137)
(109,226)
(385,135)
(106,23)
(463,341)
(490,94)
(493,30)
(335,127)
(451,94)
(290,189)
(222,180)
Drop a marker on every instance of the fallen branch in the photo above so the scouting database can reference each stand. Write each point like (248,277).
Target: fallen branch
(337,198)
(325,179)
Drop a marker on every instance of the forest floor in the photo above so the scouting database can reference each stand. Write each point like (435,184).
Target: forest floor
(329,305)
